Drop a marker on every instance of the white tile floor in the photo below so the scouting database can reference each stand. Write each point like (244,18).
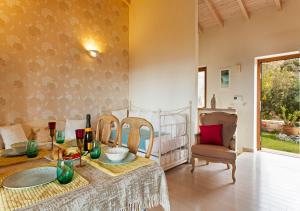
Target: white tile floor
(265,181)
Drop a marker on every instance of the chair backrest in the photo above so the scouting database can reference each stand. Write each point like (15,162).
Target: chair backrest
(134,138)
(229,122)
(104,129)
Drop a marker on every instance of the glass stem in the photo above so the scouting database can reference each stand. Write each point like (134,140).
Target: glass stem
(52,142)
(80,159)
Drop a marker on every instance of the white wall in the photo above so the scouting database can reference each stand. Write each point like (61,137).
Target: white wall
(268,32)
(163,53)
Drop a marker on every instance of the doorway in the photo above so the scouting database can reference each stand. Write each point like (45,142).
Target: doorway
(202,87)
(278,109)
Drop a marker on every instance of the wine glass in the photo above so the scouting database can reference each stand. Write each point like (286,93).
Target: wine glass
(52,126)
(79,139)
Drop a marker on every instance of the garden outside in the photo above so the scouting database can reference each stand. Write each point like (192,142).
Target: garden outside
(280,105)
(270,140)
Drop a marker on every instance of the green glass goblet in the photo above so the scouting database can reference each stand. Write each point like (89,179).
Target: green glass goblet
(60,136)
(64,171)
(96,150)
(32,149)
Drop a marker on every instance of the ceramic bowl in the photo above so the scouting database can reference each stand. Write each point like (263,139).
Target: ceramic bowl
(20,146)
(117,153)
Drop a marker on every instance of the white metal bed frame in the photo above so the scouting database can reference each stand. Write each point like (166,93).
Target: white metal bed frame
(162,115)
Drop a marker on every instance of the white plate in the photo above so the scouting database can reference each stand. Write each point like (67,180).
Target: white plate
(50,158)
(30,178)
(23,145)
(13,152)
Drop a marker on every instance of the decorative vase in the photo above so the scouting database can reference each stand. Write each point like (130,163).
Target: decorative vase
(213,102)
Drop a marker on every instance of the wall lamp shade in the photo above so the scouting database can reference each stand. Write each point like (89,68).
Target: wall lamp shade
(93,53)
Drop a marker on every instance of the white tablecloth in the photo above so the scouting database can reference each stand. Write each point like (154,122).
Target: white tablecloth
(140,189)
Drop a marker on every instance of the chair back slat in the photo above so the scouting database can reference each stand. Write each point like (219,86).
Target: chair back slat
(104,129)
(135,124)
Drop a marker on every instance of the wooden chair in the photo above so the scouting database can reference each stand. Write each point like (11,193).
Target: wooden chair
(213,153)
(135,125)
(104,129)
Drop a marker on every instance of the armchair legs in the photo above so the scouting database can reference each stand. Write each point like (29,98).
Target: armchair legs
(228,167)
(233,171)
(193,165)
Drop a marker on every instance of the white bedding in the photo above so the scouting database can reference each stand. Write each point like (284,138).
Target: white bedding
(169,157)
(167,144)
(175,125)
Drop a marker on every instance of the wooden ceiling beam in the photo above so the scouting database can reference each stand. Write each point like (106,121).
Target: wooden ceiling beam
(244,10)
(215,12)
(278,4)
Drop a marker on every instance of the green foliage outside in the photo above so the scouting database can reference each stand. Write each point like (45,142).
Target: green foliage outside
(280,89)
(270,141)
(289,118)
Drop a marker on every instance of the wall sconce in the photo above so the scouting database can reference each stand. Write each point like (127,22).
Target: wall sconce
(93,53)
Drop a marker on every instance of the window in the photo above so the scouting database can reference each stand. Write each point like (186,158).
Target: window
(202,87)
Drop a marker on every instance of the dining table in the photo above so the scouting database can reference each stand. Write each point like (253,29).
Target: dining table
(139,189)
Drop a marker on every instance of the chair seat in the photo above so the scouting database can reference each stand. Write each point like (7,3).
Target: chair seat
(213,151)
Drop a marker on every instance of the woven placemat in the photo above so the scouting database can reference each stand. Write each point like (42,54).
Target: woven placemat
(117,170)
(15,199)
(6,161)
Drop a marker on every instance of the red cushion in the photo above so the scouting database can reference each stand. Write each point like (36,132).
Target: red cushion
(211,134)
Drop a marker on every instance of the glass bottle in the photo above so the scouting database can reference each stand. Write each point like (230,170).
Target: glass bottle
(88,137)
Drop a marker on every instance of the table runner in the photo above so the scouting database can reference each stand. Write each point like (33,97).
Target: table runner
(6,161)
(117,170)
(15,199)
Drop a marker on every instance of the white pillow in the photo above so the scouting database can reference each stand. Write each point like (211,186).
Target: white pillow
(1,143)
(12,134)
(71,126)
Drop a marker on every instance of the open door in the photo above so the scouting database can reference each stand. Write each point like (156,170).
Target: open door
(270,118)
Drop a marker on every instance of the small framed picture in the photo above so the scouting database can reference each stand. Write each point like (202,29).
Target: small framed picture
(225,78)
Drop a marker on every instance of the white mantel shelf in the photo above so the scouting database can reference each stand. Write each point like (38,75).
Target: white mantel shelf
(209,110)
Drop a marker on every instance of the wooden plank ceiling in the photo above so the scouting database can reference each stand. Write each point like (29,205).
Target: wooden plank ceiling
(213,13)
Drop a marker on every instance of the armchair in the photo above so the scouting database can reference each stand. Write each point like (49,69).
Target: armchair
(214,153)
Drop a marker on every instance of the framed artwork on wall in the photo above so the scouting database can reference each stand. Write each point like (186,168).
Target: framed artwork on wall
(225,78)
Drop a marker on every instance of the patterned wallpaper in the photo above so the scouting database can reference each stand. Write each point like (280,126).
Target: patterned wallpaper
(45,71)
